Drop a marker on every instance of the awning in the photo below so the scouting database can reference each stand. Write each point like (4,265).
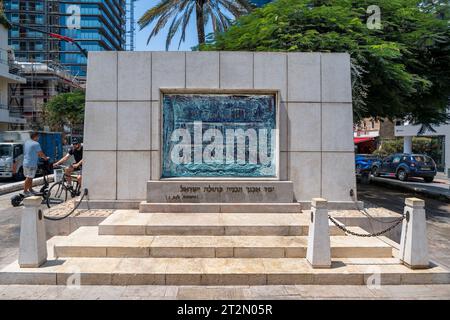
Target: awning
(360,140)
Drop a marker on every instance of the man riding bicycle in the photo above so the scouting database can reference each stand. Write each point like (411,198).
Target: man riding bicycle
(77,151)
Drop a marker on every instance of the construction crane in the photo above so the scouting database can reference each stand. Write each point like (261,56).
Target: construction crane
(132,24)
(54,35)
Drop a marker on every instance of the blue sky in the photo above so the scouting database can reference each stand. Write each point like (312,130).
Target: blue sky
(158,43)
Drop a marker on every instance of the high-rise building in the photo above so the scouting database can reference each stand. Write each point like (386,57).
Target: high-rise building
(97,25)
(260,3)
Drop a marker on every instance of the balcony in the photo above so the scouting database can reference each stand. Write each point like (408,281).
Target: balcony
(9,70)
(7,116)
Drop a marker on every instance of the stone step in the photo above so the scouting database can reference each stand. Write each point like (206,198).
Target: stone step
(279,208)
(86,242)
(219,271)
(130,222)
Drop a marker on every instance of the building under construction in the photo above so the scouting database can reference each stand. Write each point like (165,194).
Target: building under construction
(96,25)
(52,66)
(44,80)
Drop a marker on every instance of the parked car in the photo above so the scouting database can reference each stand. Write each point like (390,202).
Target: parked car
(363,166)
(403,166)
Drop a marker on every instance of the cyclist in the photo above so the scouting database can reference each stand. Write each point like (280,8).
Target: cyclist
(77,151)
(32,153)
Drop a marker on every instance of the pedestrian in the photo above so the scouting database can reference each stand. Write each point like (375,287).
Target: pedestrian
(32,154)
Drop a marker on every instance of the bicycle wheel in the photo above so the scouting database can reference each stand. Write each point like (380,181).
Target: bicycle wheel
(57,194)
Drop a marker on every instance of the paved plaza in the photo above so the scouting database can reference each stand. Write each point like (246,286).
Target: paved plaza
(221,292)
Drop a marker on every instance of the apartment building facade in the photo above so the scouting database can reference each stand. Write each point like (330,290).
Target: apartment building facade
(97,25)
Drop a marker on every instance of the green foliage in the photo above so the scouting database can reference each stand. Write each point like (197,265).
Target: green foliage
(179,12)
(399,71)
(422,145)
(65,109)
(3,20)
(389,146)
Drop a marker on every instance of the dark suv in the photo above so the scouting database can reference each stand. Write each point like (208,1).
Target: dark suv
(403,166)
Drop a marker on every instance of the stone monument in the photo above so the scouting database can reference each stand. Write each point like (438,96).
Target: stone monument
(218,128)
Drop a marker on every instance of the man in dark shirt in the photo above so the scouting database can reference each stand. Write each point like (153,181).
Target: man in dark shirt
(77,152)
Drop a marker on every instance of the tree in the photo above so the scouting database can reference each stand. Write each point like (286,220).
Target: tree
(65,109)
(398,71)
(181,11)
(3,20)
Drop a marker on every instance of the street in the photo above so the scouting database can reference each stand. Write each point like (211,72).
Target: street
(9,230)
(5,181)
(438,216)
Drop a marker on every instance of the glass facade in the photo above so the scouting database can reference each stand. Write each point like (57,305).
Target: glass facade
(97,25)
(260,3)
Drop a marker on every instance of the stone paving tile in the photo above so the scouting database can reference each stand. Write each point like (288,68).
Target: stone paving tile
(23,292)
(145,291)
(330,291)
(256,292)
(413,291)
(217,293)
(225,292)
(104,292)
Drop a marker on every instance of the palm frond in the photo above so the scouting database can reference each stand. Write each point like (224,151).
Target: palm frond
(152,14)
(177,21)
(186,19)
(179,12)
(173,30)
(235,8)
(222,21)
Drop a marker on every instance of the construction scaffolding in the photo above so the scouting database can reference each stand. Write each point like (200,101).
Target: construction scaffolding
(131,25)
(44,80)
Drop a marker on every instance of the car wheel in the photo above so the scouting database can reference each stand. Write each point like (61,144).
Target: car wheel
(402,175)
(376,172)
(428,179)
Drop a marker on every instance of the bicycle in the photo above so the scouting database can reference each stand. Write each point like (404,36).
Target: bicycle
(59,191)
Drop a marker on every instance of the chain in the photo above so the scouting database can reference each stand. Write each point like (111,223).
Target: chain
(340,226)
(71,211)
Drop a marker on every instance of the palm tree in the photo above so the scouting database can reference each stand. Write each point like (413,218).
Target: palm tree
(180,12)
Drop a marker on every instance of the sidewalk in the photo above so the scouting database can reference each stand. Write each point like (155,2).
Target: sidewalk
(441,177)
(439,188)
(17,186)
(416,292)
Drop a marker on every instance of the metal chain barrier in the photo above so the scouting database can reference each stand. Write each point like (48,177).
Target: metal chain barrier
(343,228)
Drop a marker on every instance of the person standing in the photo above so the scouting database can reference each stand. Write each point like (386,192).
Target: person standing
(32,153)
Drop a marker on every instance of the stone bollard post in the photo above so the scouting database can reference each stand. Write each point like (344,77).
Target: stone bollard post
(318,253)
(33,242)
(414,243)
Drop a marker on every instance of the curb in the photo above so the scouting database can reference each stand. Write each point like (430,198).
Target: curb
(16,186)
(398,185)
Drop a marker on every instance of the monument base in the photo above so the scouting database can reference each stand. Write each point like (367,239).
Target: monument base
(226,191)
(147,207)
(136,204)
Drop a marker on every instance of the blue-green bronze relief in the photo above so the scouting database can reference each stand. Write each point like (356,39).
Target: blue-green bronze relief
(219,135)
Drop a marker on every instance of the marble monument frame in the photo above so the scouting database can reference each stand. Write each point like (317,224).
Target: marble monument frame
(200,91)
